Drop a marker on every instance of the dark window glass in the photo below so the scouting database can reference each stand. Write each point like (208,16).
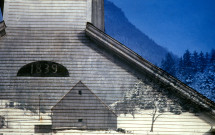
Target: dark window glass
(80,120)
(42,128)
(11,104)
(80,92)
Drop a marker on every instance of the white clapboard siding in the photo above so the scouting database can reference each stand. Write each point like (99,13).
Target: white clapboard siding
(46,13)
(59,37)
(167,123)
(54,30)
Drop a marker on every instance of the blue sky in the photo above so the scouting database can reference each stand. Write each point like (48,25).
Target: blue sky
(175,24)
(0,15)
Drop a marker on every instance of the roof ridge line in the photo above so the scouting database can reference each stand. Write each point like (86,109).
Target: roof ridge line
(100,100)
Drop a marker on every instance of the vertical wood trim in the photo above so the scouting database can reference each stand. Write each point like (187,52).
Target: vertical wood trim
(98,13)
(5,12)
(89,10)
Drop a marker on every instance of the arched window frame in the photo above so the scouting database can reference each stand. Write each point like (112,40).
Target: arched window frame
(43,69)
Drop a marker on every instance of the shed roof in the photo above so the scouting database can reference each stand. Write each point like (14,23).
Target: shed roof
(107,42)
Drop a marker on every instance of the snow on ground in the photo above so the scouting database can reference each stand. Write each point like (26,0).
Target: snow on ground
(22,122)
(19,122)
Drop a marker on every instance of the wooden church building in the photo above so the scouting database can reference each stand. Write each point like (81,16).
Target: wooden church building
(60,71)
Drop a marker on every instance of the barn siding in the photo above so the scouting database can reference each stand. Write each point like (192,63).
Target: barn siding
(53,30)
(94,114)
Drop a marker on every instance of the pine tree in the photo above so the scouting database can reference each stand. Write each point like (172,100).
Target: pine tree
(168,64)
(212,59)
(201,62)
(207,59)
(194,61)
(211,74)
(187,68)
(187,59)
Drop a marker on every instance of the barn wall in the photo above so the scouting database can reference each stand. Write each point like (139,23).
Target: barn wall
(53,30)
(87,107)
(91,119)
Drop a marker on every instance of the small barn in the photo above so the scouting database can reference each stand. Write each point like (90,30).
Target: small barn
(80,108)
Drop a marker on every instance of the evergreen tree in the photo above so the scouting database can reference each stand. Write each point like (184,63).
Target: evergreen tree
(201,62)
(168,64)
(207,58)
(211,74)
(194,61)
(187,59)
(196,70)
(187,67)
(212,59)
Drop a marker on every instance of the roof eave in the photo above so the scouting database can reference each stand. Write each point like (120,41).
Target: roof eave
(109,43)
(2,29)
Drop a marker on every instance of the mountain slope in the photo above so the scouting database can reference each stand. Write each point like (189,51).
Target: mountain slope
(119,27)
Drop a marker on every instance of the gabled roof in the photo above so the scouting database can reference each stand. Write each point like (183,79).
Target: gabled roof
(78,85)
(145,66)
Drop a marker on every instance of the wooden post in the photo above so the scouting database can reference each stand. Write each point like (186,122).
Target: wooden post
(39,107)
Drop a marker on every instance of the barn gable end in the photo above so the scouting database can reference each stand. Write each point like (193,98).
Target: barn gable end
(80,108)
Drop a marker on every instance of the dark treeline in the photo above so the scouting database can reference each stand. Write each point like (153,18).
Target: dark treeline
(196,69)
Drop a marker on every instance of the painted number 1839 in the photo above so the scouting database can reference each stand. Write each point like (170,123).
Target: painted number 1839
(43,68)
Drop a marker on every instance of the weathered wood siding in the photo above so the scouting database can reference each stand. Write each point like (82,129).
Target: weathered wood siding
(53,30)
(47,13)
(98,14)
(167,124)
(82,109)
(45,31)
